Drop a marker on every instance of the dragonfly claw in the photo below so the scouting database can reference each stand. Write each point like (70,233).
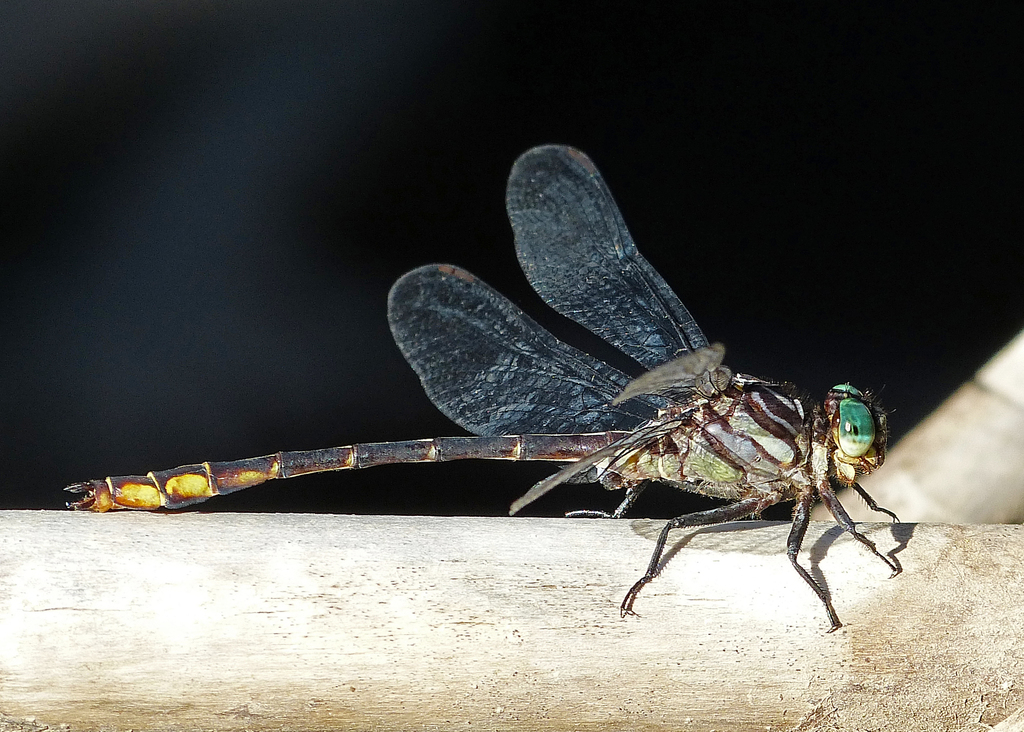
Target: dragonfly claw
(89,489)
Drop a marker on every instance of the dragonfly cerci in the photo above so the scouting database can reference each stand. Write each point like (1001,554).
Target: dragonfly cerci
(688,421)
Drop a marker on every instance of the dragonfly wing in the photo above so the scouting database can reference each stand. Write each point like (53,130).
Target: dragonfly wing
(493,370)
(681,375)
(578,255)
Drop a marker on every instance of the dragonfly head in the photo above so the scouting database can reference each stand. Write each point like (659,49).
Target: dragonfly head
(858,430)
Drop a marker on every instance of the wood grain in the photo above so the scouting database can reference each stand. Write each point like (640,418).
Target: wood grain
(298,622)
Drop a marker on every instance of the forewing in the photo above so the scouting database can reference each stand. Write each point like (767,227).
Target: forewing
(493,370)
(578,255)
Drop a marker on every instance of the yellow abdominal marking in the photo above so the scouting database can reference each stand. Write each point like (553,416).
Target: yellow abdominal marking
(248,477)
(139,495)
(189,485)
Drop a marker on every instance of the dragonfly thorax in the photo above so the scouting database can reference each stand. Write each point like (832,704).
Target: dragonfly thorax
(744,434)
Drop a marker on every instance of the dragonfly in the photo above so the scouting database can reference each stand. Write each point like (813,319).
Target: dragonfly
(688,421)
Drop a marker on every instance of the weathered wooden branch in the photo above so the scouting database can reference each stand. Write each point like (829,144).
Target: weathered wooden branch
(258,622)
(965,462)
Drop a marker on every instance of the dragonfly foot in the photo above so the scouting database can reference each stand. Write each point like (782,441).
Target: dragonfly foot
(626,608)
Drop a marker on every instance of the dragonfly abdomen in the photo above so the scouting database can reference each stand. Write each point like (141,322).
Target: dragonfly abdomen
(190,484)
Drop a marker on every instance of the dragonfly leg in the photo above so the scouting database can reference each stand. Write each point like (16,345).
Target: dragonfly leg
(632,492)
(801,518)
(871,503)
(588,513)
(844,520)
(719,515)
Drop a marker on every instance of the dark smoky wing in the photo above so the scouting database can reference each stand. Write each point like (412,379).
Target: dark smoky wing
(578,255)
(493,370)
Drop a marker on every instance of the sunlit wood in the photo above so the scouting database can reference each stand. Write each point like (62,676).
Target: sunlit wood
(259,622)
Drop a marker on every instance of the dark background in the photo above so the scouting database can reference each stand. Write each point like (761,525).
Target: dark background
(202,211)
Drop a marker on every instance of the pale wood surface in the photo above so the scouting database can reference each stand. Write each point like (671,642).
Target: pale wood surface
(300,622)
(965,462)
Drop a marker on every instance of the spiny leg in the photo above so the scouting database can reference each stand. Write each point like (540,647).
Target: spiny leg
(871,503)
(719,515)
(844,520)
(632,492)
(801,518)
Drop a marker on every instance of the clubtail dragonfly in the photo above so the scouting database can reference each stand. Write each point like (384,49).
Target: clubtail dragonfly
(688,421)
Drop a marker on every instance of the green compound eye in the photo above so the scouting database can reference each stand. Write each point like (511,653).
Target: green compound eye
(856,427)
(848,389)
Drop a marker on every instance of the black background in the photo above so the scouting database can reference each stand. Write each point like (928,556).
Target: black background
(202,212)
